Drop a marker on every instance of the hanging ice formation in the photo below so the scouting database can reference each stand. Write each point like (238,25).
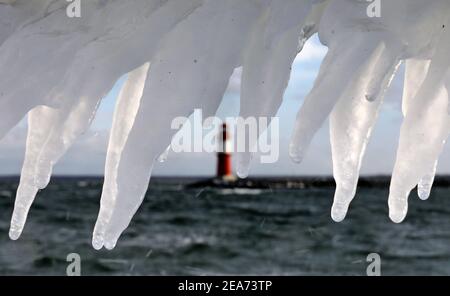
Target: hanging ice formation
(180,54)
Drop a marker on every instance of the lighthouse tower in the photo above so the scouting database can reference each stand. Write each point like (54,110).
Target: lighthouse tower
(224,167)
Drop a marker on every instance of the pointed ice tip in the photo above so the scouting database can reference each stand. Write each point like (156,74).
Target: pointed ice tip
(296,156)
(397,217)
(338,214)
(243,164)
(242,172)
(97,244)
(110,245)
(338,217)
(423,195)
(14,234)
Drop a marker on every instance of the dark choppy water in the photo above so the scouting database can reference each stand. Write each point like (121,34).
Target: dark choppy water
(211,232)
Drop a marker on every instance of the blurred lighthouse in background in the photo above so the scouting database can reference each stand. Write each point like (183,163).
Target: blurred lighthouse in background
(224,164)
(224,176)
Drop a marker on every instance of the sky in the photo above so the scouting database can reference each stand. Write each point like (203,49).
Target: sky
(87,156)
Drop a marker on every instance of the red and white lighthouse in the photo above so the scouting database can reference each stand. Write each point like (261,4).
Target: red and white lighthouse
(224,167)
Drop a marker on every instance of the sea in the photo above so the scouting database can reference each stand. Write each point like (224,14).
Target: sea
(228,231)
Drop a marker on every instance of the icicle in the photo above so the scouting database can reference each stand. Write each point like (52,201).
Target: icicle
(187,74)
(414,159)
(44,148)
(415,74)
(427,109)
(267,67)
(340,67)
(74,117)
(114,37)
(126,108)
(351,124)
(104,73)
(40,121)
(426,183)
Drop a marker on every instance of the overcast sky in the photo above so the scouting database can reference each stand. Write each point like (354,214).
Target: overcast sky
(87,157)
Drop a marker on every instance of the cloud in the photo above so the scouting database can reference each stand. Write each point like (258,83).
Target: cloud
(313,52)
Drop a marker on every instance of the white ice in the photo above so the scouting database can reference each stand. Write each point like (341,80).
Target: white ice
(179,55)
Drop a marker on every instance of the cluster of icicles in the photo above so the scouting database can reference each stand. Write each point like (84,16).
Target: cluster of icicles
(180,54)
